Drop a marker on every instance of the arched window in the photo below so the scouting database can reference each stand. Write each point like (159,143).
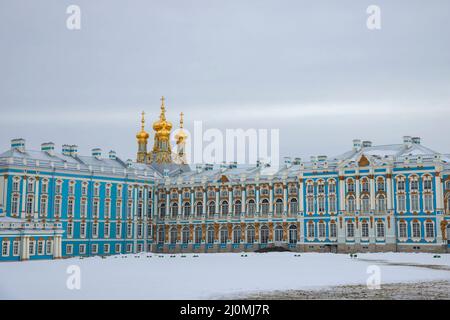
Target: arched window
(162,210)
(321,204)
(365,185)
(210,235)
(278,206)
(380,184)
(380,229)
(161,235)
(381,203)
(186,209)
(278,233)
(265,206)
(211,208)
(250,234)
(198,235)
(293,206)
(224,208)
(292,234)
(351,204)
(173,235)
(237,207)
(174,210)
(264,234)
(185,235)
(350,185)
(223,235)
(365,204)
(199,209)
(237,235)
(251,207)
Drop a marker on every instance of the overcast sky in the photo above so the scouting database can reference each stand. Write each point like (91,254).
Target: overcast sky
(309,68)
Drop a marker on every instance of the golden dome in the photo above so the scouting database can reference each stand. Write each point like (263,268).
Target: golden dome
(181,134)
(162,126)
(142,135)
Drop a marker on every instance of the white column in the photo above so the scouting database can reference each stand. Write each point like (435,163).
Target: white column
(217,200)
(135,225)
(244,200)
(23,202)
(389,189)
(24,249)
(167,203)
(144,215)
(204,200)
(270,198)
(179,201)
(372,192)
(285,198)
(439,192)
(300,195)
(341,193)
(230,199)
(155,212)
(357,186)
(36,198)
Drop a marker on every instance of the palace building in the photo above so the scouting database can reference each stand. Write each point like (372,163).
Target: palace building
(368,199)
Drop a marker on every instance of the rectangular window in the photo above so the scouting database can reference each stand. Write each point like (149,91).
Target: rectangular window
(83,230)
(322,233)
(401,203)
(83,208)
(16,245)
(364,230)
(44,206)
(106,230)
(49,247)
(57,211)
(118,248)
(82,249)
(32,248)
(129,230)
(95,230)
(70,206)
(69,229)
(429,230)
(94,248)
(107,209)
(333,230)
(129,248)
(414,202)
(69,249)
(5,248)
(95,208)
(428,202)
(106,248)
(350,230)
(380,230)
(40,247)
(402,231)
(118,230)
(118,209)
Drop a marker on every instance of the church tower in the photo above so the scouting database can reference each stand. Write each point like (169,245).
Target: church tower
(161,153)
(142,137)
(181,137)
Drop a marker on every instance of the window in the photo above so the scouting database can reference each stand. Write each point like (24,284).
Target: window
(311,230)
(49,247)
(108,191)
(32,248)
(321,204)
(82,249)
(321,230)
(321,188)
(118,248)
(185,235)
(173,235)
(332,187)
(211,208)
(82,230)
(84,189)
(279,206)
(237,207)
(174,210)
(58,187)
(162,210)
(237,235)
(224,208)
(401,185)
(70,206)
(415,229)
(198,235)
(380,184)
(210,235)
(69,229)
(71,190)
(139,230)
(414,202)
(96,190)
(380,229)
(351,204)
(199,209)
(264,234)
(94,248)
(15,204)
(118,230)
(332,203)
(95,230)
(16,184)
(40,247)
(5,248)
(310,204)
(250,234)
(292,234)
(16,245)
(44,206)
(30,205)
(83,208)
(414,185)
(265,206)
(350,186)
(293,206)
(57,209)
(30,186)
(401,203)
(429,229)
(106,230)
(251,210)
(186,209)
(350,230)
(106,248)
(310,188)
(365,185)
(333,230)
(428,202)
(381,204)
(427,184)
(365,204)
(364,229)
(69,249)
(129,248)
(161,235)
(402,230)
(129,230)
(95,208)
(107,212)
(279,233)
(223,235)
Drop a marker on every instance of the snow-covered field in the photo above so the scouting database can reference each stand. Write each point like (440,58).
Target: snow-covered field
(225,275)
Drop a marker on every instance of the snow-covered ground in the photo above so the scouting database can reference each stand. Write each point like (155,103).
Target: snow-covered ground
(154,276)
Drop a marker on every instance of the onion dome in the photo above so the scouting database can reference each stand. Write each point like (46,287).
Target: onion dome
(142,135)
(162,126)
(181,135)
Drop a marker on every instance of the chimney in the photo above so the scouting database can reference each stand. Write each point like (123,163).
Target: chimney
(407,141)
(97,152)
(356,145)
(366,144)
(48,147)
(112,155)
(416,140)
(18,144)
